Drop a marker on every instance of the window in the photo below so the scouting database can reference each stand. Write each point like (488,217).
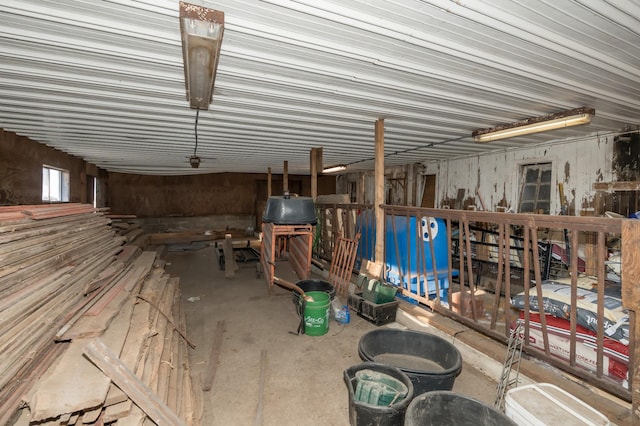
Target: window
(353,191)
(55,185)
(535,188)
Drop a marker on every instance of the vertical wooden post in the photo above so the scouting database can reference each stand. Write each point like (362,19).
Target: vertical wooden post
(319,160)
(379,189)
(268,182)
(631,301)
(230,265)
(285,177)
(590,256)
(313,167)
(360,188)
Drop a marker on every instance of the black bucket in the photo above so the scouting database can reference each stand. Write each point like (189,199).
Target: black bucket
(313,285)
(431,362)
(365,413)
(449,408)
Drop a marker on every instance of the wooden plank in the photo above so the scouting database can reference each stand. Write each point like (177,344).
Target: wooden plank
(135,347)
(230,266)
(173,384)
(167,358)
(88,377)
(133,234)
(117,411)
(107,298)
(183,237)
(22,386)
(60,393)
(259,408)
(66,210)
(141,395)
(90,416)
(207,383)
(616,186)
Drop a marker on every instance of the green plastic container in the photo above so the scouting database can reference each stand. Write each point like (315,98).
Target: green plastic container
(316,313)
(377,292)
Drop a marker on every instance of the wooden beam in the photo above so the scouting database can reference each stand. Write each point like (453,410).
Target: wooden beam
(617,186)
(313,167)
(230,265)
(140,394)
(379,189)
(268,182)
(285,177)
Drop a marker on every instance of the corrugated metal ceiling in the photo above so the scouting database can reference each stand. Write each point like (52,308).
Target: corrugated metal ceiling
(103,80)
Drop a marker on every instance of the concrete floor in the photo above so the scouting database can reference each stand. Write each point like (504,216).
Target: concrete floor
(301,381)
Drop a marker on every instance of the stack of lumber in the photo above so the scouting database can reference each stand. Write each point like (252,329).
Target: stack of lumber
(67,282)
(129,228)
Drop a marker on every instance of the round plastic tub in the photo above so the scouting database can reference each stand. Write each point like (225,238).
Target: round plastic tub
(449,408)
(431,362)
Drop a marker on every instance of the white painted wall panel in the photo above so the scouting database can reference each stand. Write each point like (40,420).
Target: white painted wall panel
(577,164)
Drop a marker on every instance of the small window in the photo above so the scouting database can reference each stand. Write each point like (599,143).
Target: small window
(353,191)
(535,188)
(55,185)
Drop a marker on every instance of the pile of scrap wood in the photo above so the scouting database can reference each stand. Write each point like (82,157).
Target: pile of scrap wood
(71,291)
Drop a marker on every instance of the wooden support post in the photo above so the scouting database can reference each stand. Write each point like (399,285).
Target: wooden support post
(268,182)
(313,167)
(379,189)
(285,177)
(631,301)
(319,160)
(230,265)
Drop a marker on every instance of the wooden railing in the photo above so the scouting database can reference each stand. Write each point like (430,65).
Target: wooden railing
(479,262)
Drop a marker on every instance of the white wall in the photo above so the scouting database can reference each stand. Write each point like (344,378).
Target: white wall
(575,163)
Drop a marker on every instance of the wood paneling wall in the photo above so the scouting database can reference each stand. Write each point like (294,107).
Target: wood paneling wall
(21,161)
(195,195)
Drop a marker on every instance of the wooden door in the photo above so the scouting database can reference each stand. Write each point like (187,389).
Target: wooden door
(429,191)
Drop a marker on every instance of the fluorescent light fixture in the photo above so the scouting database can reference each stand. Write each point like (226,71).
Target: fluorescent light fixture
(201,30)
(334,169)
(574,117)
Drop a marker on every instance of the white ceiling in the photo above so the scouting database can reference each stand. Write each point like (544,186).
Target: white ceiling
(103,80)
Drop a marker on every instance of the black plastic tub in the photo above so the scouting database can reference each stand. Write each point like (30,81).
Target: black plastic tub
(366,414)
(431,362)
(449,408)
(290,210)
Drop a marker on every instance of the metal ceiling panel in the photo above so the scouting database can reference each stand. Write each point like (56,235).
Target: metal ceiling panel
(103,80)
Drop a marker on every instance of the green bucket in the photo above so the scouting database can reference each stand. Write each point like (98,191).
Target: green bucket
(316,313)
